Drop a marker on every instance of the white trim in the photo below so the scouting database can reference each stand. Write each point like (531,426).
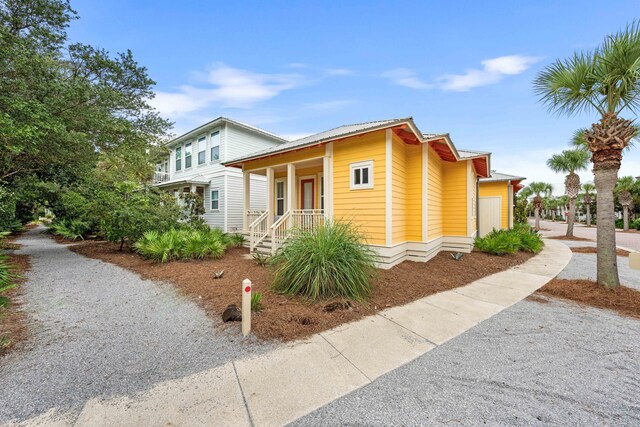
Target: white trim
(388,186)
(328,183)
(368,164)
(510,207)
(469,199)
(226,205)
(246,205)
(389,256)
(270,189)
(211,190)
(425,192)
(291,186)
(320,184)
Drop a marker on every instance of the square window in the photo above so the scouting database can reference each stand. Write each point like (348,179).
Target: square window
(361,175)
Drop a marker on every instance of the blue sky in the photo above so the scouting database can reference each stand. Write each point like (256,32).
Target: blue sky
(296,68)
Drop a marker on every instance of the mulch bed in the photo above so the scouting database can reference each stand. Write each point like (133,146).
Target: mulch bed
(13,321)
(622,299)
(579,239)
(285,318)
(594,250)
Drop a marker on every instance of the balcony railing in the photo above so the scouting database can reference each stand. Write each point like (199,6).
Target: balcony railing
(160,177)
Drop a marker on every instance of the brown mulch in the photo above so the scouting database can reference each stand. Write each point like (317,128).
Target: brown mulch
(579,239)
(286,318)
(622,299)
(594,250)
(13,321)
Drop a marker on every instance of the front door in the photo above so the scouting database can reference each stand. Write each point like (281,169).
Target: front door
(306,194)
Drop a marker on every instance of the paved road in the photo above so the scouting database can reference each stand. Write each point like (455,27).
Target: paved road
(630,240)
(99,330)
(535,363)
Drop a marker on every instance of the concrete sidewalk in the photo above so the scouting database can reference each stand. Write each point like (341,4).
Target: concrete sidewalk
(280,386)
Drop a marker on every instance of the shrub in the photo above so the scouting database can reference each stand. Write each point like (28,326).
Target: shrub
(180,244)
(261,259)
(256,301)
(6,278)
(236,240)
(328,261)
(635,224)
(502,242)
(70,229)
(619,223)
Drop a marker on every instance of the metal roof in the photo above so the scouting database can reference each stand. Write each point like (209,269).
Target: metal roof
(466,154)
(496,177)
(327,135)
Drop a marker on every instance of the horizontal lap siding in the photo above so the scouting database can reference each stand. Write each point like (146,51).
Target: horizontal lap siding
(257,193)
(435,195)
(215,218)
(455,198)
(240,142)
(399,190)
(414,193)
(366,208)
(494,189)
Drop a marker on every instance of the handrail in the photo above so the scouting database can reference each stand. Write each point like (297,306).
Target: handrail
(258,230)
(280,231)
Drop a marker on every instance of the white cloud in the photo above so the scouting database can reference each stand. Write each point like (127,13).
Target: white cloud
(493,70)
(407,78)
(229,87)
(339,72)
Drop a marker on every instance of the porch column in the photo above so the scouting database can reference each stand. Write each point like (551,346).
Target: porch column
(327,180)
(246,188)
(270,198)
(291,186)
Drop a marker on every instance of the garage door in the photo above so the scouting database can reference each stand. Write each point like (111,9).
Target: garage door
(490,214)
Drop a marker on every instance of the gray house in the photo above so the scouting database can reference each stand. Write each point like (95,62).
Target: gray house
(195,165)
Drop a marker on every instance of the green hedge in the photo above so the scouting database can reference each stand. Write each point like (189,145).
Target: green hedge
(502,242)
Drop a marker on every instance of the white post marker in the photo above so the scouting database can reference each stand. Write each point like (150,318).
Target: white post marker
(246,307)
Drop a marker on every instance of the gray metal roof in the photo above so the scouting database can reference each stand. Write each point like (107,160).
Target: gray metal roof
(496,177)
(465,154)
(321,137)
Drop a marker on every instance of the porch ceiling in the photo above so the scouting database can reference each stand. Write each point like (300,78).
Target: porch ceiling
(283,167)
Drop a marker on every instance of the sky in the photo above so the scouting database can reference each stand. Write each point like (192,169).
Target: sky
(300,67)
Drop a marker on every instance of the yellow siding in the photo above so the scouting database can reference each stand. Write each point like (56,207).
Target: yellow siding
(435,227)
(455,198)
(281,159)
(414,193)
(364,207)
(399,190)
(494,189)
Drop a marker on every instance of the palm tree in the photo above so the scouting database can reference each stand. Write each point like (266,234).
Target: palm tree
(588,189)
(607,82)
(570,161)
(624,186)
(539,189)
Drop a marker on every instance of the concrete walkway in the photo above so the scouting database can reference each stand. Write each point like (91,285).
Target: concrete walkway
(280,386)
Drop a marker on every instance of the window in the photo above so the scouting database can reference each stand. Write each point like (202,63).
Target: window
(322,191)
(202,150)
(178,158)
(187,156)
(215,201)
(281,194)
(361,175)
(215,146)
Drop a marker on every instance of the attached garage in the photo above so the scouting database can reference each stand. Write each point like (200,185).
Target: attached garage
(495,201)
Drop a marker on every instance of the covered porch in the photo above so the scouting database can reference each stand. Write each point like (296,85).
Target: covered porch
(298,197)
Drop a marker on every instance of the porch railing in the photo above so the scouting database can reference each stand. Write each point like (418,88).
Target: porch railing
(253,215)
(160,177)
(306,219)
(258,230)
(280,231)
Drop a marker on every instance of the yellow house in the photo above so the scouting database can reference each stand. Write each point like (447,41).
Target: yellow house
(496,201)
(411,194)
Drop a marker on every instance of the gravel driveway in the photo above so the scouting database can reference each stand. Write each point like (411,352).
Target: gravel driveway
(629,240)
(98,330)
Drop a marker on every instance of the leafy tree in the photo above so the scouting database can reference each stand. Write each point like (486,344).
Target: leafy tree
(605,81)
(538,189)
(587,196)
(193,210)
(624,188)
(570,161)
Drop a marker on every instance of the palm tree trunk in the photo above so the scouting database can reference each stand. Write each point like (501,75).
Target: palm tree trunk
(571,218)
(588,216)
(537,218)
(625,218)
(607,262)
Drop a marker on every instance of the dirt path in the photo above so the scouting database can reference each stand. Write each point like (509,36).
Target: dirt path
(99,330)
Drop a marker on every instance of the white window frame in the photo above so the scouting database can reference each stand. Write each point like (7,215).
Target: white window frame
(361,165)
(178,159)
(188,154)
(202,148)
(215,190)
(213,132)
(284,195)
(321,190)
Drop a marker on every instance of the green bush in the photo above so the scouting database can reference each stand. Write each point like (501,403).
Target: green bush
(236,240)
(256,301)
(327,261)
(619,223)
(502,242)
(635,224)
(181,244)
(70,229)
(6,278)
